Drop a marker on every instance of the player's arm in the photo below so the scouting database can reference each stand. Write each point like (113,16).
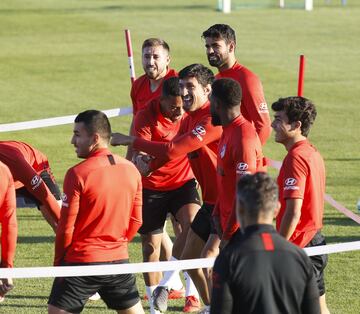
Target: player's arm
(216,219)
(202,134)
(310,303)
(8,224)
(136,215)
(295,173)
(291,217)
(245,157)
(221,297)
(37,187)
(69,213)
(255,104)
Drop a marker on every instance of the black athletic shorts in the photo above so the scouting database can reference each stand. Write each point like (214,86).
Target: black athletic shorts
(203,224)
(119,292)
(48,179)
(157,204)
(319,262)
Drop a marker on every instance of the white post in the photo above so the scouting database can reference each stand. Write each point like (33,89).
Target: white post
(282,4)
(226,6)
(309,5)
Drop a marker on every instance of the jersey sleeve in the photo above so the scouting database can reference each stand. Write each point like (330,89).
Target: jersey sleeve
(295,174)
(202,134)
(221,297)
(136,215)
(69,212)
(244,156)
(8,224)
(256,107)
(35,185)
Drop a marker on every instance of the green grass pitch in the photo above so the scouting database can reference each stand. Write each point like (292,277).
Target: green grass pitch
(61,57)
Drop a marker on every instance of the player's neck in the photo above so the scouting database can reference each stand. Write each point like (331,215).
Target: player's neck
(293,140)
(228,64)
(155,83)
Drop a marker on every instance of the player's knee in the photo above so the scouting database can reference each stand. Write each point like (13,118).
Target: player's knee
(149,250)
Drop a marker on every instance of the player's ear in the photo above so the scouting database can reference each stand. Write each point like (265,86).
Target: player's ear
(232,46)
(297,125)
(277,209)
(207,89)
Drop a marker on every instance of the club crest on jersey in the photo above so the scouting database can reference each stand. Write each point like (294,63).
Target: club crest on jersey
(241,168)
(263,108)
(35,182)
(64,200)
(290,184)
(222,151)
(199,131)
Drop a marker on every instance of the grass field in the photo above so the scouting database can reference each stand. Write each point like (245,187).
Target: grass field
(60,57)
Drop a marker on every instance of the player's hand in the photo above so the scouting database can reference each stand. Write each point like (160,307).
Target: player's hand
(6,284)
(142,164)
(121,139)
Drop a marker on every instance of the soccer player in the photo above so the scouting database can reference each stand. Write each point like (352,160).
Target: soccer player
(169,189)
(155,62)
(33,178)
(197,138)
(220,44)
(259,271)
(8,226)
(301,182)
(100,215)
(239,152)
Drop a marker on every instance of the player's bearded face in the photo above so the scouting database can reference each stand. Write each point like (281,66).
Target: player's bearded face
(217,51)
(155,61)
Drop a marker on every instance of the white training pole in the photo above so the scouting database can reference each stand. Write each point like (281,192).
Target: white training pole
(282,4)
(226,6)
(309,5)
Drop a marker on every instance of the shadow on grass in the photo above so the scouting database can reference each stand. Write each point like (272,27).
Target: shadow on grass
(112,8)
(22,297)
(37,239)
(341,239)
(340,221)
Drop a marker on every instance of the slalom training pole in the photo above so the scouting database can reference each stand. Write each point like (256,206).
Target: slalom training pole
(130,55)
(301,76)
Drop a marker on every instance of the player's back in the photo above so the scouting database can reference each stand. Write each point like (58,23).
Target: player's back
(109,192)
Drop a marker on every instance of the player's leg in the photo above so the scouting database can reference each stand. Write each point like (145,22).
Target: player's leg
(211,249)
(176,287)
(154,216)
(135,309)
(184,204)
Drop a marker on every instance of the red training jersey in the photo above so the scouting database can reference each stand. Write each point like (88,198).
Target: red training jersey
(101,210)
(197,138)
(141,93)
(302,175)
(7,217)
(239,153)
(253,103)
(151,125)
(25,164)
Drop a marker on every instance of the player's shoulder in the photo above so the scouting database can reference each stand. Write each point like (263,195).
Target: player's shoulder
(5,171)
(171,73)
(139,82)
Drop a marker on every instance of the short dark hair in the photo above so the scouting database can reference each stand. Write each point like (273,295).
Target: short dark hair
(95,121)
(202,74)
(220,31)
(258,194)
(227,91)
(297,108)
(171,87)
(155,42)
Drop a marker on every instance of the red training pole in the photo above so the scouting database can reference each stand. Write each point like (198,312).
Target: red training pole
(301,76)
(130,55)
